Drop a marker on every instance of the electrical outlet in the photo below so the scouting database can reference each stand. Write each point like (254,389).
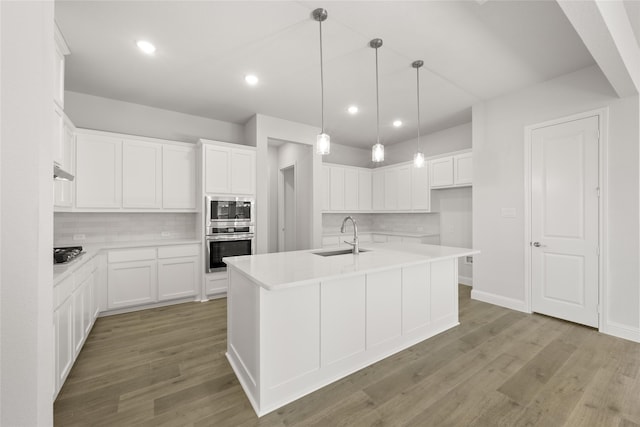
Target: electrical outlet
(468,260)
(165,234)
(78,237)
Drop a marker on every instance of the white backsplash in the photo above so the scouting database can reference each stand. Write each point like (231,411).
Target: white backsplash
(402,223)
(121,227)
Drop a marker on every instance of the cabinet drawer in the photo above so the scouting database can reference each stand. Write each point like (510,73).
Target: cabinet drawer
(141,254)
(63,290)
(178,251)
(84,271)
(216,284)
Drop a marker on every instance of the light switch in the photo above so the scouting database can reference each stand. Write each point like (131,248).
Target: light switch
(508,212)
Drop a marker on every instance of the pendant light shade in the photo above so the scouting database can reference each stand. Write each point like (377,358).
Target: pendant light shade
(377,151)
(418,157)
(323,141)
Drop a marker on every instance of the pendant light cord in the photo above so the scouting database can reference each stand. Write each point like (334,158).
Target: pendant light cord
(377,100)
(418,91)
(321,82)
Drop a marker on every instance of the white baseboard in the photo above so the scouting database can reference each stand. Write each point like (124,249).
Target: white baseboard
(464,280)
(494,299)
(621,331)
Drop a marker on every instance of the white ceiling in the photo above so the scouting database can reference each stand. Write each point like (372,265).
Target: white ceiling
(472,51)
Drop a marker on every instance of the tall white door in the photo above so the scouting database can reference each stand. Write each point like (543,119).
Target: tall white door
(287,216)
(564,221)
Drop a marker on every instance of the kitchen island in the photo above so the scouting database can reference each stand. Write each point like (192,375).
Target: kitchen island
(298,321)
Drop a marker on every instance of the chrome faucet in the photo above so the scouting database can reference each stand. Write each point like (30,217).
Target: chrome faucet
(356,247)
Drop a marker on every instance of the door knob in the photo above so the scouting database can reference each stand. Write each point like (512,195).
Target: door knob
(537,244)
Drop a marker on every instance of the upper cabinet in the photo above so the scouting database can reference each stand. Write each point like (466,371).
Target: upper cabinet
(227,169)
(60,51)
(65,142)
(133,174)
(452,171)
(395,188)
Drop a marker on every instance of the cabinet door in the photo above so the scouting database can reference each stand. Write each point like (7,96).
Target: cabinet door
(377,179)
(403,188)
(216,283)
(98,172)
(364,190)
(390,189)
(325,188)
(463,169)
(78,319)
(178,177)
(216,169)
(63,325)
(131,283)
(87,304)
(351,190)
(243,172)
(58,138)
(336,177)
(58,75)
(420,190)
(442,172)
(177,277)
(63,190)
(141,174)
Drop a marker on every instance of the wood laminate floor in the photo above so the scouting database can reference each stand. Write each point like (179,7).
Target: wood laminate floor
(166,367)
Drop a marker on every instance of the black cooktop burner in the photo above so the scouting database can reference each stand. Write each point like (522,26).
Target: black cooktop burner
(64,255)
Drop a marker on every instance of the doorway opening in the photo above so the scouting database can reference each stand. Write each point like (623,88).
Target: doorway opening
(287,209)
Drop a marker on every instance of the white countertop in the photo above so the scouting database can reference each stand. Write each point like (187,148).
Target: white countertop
(386,233)
(285,269)
(62,271)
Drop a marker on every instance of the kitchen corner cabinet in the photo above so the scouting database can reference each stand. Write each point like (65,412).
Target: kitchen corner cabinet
(452,171)
(228,170)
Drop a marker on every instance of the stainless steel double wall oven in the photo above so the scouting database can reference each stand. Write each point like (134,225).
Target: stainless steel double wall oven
(229,229)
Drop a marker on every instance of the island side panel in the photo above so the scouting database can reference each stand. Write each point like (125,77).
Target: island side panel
(384,307)
(289,339)
(444,292)
(416,297)
(243,330)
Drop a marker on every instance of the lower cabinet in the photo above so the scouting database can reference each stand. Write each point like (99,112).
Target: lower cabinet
(75,311)
(147,275)
(216,283)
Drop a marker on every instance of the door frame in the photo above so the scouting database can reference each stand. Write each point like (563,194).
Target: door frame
(281,236)
(603,126)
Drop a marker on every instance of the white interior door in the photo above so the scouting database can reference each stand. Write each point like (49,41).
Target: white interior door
(564,220)
(287,215)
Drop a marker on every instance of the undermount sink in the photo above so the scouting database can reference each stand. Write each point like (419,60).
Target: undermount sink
(338,252)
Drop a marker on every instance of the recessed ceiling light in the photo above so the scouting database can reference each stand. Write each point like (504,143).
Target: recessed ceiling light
(397,123)
(352,109)
(146,47)
(251,79)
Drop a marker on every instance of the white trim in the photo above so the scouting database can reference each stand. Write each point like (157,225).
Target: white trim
(621,331)
(511,303)
(281,207)
(464,280)
(603,128)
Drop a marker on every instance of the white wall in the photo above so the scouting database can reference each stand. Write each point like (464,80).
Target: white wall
(258,131)
(349,156)
(455,208)
(26,292)
(498,156)
(445,141)
(95,112)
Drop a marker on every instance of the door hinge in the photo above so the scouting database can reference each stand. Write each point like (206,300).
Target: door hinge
(598,191)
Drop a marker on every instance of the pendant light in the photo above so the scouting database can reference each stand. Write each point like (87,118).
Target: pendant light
(377,151)
(418,157)
(323,141)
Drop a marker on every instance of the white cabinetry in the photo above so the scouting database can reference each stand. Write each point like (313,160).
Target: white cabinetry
(63,190)
(336,188)
(132,277)
(346,189)
(377,191)
(228,170)
(420,191)
(178,177)
(143,276)
(325,188)
(141,174)
(74,314)
(452,171)
(61,49)
(364,190)
(216,283)
(177,271)
(133,174)
(98,171)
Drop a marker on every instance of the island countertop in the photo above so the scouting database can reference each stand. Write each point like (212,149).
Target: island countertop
(281,270)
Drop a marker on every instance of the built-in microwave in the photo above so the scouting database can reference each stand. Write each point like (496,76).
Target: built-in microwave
(229,209)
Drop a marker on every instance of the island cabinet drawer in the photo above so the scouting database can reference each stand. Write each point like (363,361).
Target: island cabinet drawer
(128,255)
(178,251)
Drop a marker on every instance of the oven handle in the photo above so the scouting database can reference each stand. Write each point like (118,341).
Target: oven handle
(229,237)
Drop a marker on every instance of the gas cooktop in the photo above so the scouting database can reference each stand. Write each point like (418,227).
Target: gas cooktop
(65,255)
